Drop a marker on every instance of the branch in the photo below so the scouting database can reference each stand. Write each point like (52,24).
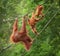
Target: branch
(48,22)
(6,48)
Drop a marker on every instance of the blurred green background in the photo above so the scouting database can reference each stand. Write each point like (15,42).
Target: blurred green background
(47,43)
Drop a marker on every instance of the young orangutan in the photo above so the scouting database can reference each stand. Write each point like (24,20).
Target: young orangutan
(34,18)
(21,36)
(32,22)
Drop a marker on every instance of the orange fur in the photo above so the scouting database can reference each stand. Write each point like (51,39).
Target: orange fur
(39,10)
(21,35)
(32,22)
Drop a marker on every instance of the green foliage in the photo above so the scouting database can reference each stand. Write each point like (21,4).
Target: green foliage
(46,44)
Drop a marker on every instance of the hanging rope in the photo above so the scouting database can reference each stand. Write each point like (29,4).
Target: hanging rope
(48,22)
(6,48)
